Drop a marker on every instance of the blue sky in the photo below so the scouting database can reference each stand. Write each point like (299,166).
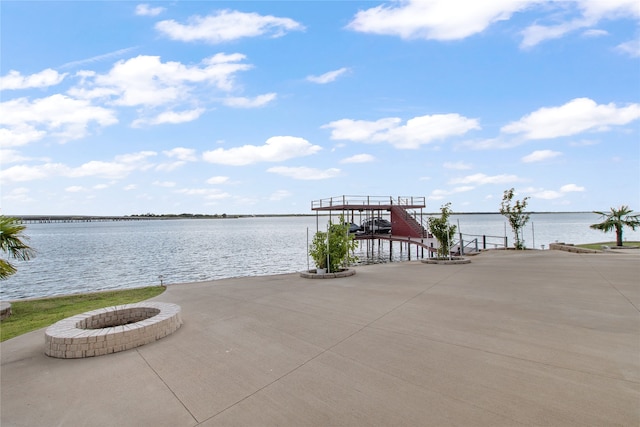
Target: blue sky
(118,108)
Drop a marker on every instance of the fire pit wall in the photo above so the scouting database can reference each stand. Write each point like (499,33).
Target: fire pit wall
(112,329)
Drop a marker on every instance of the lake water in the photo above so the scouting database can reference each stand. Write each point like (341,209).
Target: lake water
(93,256)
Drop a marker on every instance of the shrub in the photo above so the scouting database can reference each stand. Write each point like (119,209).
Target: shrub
(334,248)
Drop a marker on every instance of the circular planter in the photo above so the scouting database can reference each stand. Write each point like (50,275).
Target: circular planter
(447,261)
(112,329)
(312,274)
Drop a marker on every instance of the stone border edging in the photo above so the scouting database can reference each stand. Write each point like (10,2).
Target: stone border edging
(571,248)
(311,274)
(5,310)
(125,327)
(446,261)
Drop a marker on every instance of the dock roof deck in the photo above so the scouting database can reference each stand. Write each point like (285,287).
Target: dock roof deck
(361,203)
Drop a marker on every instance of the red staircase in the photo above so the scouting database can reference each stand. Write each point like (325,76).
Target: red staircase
(404,224)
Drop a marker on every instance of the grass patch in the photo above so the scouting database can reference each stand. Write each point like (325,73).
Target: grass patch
(598,246)
(30,315)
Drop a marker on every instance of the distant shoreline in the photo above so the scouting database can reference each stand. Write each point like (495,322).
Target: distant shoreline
(232,216)
(60,219)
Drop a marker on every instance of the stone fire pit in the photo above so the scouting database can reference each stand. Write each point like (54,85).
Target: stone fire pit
(111,329)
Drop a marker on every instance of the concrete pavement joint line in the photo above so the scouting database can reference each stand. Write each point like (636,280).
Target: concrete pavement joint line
(325,350)
(612,285)
(167,385)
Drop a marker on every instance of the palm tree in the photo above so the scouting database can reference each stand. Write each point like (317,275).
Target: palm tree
(617,219)
(12,243)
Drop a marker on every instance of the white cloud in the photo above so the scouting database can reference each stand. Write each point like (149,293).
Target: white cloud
(171,117)
(327,77)
(441,194)
(147,81)
(275,149)
(181,153)
(165,184)
(438,194)
(541,193)
(594,32)
(435,19)
(146,10)
(18,195)
(119,168)
(547,194)
(540,155)
(576,116)
(59,116)
(631,48)
(569,188)
(583,143)
(457,165)
(97,58)
(206,193)
(416,132)
(22,173)
(458,19)
(609,9)
(75,189)
(242,102)
(360,130)
(359,158)
(482,179)
(45,78)
(279,195)
(19,134)
(135,158)
(590,14)
(536,34)
(499,142)
(11,156)
(130,187)
(305,173)
(168,167)
(227,25)
(215,180)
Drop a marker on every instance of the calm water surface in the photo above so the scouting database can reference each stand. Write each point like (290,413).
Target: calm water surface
(84,257)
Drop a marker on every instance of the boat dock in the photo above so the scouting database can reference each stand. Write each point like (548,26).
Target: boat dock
(406,215)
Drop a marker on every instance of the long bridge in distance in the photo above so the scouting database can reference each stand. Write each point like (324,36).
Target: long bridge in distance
(47,219)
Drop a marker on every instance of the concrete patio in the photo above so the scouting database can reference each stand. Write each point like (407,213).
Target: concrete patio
(514,338)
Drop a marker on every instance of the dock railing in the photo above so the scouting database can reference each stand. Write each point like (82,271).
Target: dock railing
(367,201)
(481,242)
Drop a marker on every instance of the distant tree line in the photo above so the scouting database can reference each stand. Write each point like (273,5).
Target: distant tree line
(183,215)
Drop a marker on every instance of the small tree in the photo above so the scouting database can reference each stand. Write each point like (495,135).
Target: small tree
(13,244)
(334,248)
(617,219)
(318,249)
(442,231)
(515,215)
